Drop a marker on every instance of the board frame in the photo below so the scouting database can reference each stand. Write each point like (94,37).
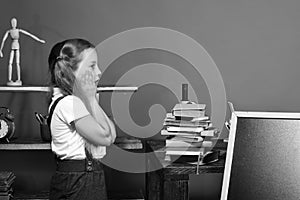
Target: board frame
(231,139)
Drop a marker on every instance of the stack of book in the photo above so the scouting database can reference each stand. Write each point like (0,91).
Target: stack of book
(6,181)
(190,134)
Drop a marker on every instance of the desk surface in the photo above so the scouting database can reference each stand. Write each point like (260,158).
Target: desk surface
(185,168)
(215,167)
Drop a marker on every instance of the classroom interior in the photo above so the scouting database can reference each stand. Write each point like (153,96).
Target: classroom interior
(254,46)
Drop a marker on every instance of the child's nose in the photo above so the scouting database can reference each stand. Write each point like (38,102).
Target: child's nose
(97,71)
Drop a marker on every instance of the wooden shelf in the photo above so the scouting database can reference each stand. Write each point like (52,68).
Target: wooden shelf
(124,143)
(39,196)
(24,146)
(117,89)
(112,195)
(47,89)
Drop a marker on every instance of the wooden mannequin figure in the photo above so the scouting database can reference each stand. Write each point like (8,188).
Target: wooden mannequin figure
(15,49)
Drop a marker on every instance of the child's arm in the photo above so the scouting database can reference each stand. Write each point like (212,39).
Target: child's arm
(112,129)
(96,127)
(110,123)
(98,113)
(94,132)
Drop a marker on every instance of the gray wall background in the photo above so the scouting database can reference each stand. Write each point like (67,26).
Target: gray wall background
(254,44)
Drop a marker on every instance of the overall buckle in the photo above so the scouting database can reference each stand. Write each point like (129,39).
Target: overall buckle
(89,166)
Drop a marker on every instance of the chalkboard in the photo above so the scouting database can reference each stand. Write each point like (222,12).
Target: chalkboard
(263,157)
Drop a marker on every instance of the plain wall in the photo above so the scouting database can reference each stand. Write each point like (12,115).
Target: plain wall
(255,45)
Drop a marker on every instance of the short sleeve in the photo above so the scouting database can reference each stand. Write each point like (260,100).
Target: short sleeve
(71,108)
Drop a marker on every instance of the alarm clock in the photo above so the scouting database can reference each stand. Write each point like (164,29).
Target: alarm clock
(7,125)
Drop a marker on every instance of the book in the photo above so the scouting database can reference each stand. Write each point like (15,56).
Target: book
(184,129)
(6,178)
(192,119)
(203,133)
(6,197)
(204,124)
(165,132)
(195,119)
(188,113)
(185,151)
(187,138)
(170,117)
(6,192)
(184,144)
(189,106)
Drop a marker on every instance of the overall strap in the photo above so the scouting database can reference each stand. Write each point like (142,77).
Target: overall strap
(52,109)
(89,156)
(89,164)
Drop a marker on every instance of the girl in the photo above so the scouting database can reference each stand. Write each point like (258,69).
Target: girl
(80,129)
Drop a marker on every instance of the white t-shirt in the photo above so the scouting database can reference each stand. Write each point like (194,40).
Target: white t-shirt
(66,142)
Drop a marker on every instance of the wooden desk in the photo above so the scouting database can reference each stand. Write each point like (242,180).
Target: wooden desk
(170,181)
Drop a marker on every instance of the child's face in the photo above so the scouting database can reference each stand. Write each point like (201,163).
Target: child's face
(89,64)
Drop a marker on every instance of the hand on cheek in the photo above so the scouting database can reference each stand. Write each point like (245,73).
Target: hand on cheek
(85,86)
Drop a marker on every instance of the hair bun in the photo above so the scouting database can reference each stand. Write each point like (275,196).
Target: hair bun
(66,58)
(59,58)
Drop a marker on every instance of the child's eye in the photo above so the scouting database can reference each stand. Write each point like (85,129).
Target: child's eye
(92,66)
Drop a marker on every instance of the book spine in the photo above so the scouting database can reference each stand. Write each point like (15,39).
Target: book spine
(184,129)
(188,113)
(182,144)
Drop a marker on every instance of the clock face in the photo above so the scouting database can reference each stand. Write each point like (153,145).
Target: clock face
(3,128)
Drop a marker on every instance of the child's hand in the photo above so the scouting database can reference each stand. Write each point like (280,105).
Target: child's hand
(85,86)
